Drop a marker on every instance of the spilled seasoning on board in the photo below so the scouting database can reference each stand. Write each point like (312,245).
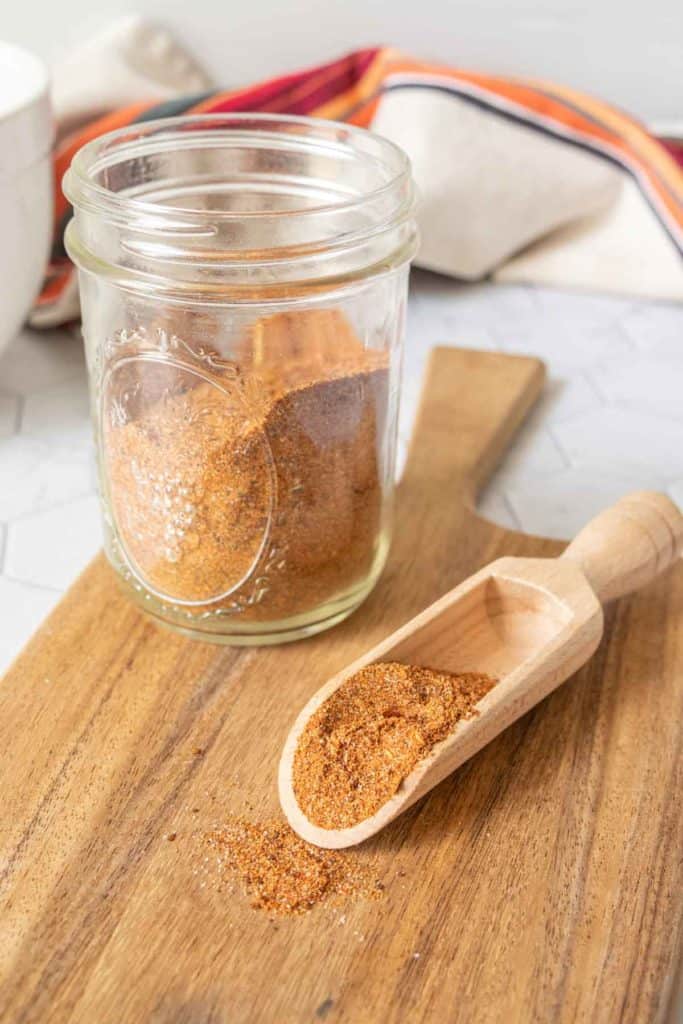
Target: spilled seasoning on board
(282,874)
(359,746)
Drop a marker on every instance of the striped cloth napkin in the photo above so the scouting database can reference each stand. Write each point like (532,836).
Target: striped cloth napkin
(524,181)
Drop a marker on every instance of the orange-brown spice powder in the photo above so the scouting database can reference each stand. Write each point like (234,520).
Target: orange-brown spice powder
(360,745)
(271,497)
(282,874)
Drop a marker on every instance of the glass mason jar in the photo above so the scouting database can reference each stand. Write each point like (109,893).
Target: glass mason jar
(243,283)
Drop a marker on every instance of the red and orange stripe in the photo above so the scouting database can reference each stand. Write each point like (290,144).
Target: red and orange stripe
(350,89)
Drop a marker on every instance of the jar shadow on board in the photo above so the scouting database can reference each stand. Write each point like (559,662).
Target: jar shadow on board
(243,284)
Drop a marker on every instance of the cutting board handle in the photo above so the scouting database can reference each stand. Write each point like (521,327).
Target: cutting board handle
(629,544)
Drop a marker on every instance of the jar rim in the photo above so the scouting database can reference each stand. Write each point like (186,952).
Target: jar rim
(82,191)
(275,200)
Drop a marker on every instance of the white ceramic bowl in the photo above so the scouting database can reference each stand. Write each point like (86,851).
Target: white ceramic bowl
(26,135)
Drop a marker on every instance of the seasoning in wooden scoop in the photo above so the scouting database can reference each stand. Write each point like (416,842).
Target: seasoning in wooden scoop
(284,875)
(359,746)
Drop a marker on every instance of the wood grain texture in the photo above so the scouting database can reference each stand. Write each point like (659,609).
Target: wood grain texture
(541,882)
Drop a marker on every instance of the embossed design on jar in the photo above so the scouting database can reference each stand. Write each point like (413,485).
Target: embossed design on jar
(188,469)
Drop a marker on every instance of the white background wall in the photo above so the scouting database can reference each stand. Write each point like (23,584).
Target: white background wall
(627,51)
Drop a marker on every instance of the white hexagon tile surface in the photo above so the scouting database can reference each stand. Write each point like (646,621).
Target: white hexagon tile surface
(611,420)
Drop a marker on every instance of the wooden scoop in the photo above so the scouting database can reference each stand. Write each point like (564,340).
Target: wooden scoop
(530,622)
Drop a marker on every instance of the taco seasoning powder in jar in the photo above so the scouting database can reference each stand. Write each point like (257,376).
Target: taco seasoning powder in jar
(243,283)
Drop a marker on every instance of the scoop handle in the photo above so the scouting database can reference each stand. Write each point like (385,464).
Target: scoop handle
(629,544)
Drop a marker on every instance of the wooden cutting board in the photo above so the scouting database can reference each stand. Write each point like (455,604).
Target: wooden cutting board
(541,882)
